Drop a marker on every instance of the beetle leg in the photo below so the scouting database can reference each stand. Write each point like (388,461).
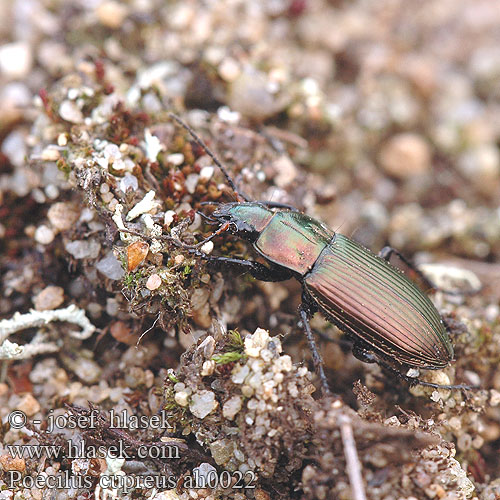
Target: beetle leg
(387,252)
(363,354)
(256,269)
(318,362)
(416,381)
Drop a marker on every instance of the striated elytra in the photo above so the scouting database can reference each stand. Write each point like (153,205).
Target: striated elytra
(386,315)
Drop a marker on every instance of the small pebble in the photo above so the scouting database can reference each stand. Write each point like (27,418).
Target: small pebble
(191,183)
(122,332)
(176,159)
(256,342)
(154,282)
(205,473)
(494,397)
(62,215)
(405,155)
(112,14)
(16,60)
(28,404)
(62,140)
(87,370)
(168,218)
(222,450)
(182,398)
(44,235)
(50,154)
(207,247)
(128,181)
(202,403)
(208,368)
(110,267)
(229,69)
(206,173)
(231,407)
(286,171)
(250,95)
(69,111)
(10,463)
(51,297)
(83,249)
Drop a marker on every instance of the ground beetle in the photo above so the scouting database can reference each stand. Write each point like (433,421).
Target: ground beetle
(388,318)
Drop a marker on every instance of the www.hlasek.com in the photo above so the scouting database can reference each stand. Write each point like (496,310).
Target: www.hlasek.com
(81,450)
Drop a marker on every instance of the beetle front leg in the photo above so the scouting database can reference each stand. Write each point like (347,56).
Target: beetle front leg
(256,269)
(317,361)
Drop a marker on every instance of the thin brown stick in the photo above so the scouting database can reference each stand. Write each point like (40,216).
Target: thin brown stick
(351,458)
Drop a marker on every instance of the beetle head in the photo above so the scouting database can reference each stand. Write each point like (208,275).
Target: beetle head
(246,220)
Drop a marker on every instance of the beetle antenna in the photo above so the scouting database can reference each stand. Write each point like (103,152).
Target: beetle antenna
(207,218)
(200,143)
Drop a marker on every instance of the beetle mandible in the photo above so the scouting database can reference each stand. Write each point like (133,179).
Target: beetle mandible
(386,315)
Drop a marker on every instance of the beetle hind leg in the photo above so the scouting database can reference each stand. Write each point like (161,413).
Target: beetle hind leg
(363,354)
(317,360)
(421,280)
(387,252)
(412,381)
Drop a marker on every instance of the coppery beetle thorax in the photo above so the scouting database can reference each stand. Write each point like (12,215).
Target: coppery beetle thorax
(293,240)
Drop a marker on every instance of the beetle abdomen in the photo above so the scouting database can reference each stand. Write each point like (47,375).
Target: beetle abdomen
(371,299)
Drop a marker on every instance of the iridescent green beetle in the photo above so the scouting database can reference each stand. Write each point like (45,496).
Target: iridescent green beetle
(388,318)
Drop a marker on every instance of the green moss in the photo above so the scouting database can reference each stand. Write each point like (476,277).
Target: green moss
(227,357)
(132,279)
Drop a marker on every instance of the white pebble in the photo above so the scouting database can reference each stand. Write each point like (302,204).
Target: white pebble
(112,14)
(152,145)
(52,191)
(16,60)
(154,282)
(231,407)
(256,342)
(208,368)
(144,206)
(207,247)
(44,235)
(181,398)
(206,173)
(168,218)
(70,112)
(202,403)
(50,154)
(127,182)
(176,159)
(191,183)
